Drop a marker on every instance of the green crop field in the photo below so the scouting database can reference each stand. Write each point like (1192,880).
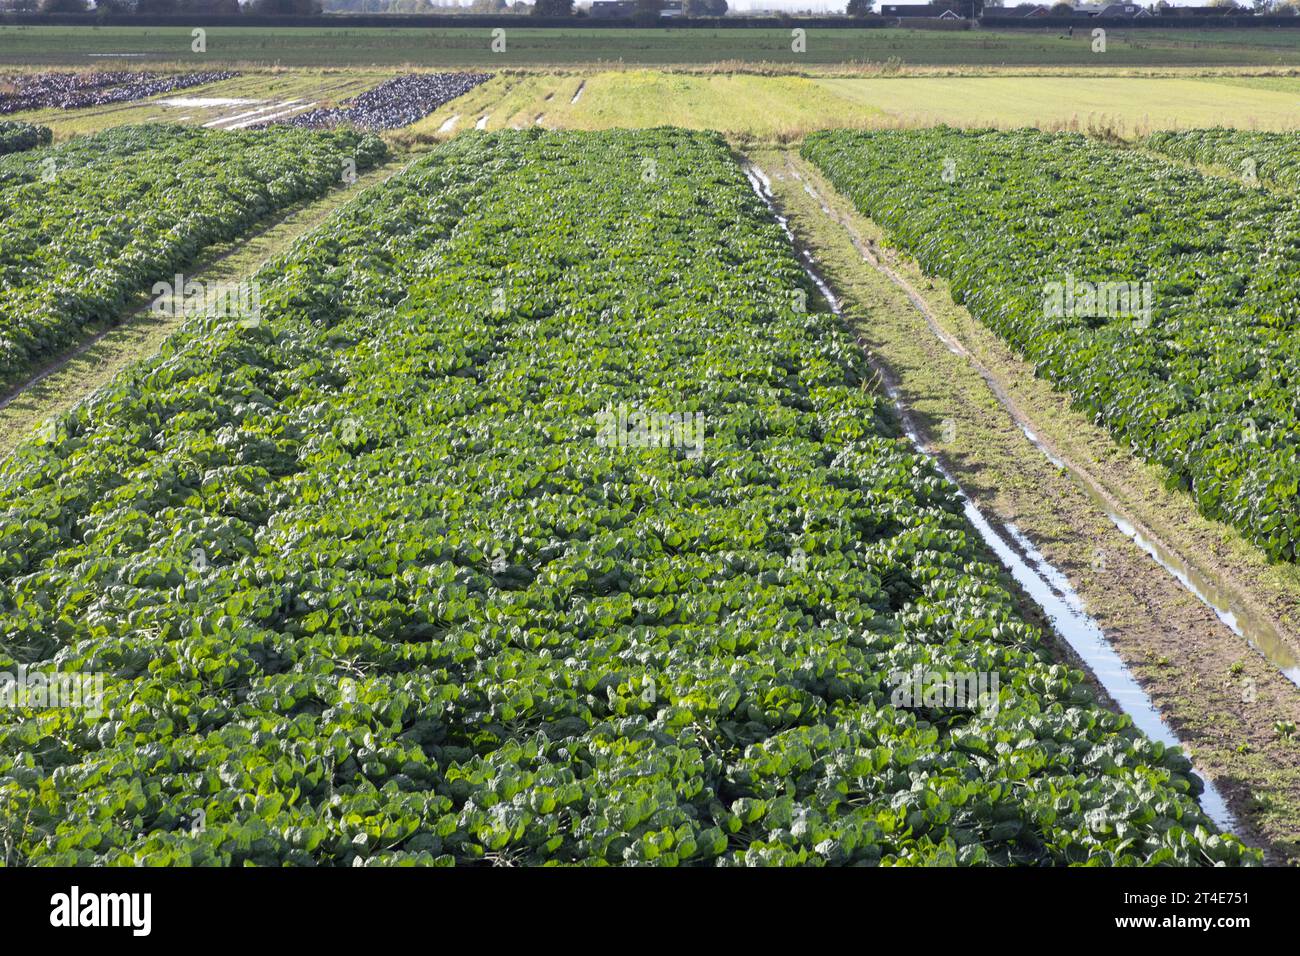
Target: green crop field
(499,525)
(1191,365)
(650,448)
(87,225)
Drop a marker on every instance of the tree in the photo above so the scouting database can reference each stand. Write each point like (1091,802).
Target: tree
(63,6)
(647,12)
(553,8)
(704,8)
(284,8)
(859,8)
(1061,10)
(210,7)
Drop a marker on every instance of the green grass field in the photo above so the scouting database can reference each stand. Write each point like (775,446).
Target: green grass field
(785,107)
(531,47)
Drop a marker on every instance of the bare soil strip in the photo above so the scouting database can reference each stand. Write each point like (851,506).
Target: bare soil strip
(972,401)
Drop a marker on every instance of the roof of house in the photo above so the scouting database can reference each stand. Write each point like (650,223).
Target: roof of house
(919,10)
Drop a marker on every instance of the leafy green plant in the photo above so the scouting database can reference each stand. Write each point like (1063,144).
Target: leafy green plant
(16,136)
(1253,156)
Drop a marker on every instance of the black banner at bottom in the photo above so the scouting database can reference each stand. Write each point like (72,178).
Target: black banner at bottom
(338,906)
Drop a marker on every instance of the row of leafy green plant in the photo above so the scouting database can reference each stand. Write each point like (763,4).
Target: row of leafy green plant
(89,224)
(377,581)
(1257,158)
(1201,378)
(16,136)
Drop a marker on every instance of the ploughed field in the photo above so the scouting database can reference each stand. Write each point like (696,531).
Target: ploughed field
(542,517)
(1161,298)
(90,224)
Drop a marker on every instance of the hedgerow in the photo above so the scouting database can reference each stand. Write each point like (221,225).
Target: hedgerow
(1204,382)
(86,225)
(368,588)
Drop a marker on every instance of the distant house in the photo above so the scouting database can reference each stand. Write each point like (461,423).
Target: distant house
(1025,10)
(627,8)
(932,11)
(1197,11)
(1129,10)
(612,8)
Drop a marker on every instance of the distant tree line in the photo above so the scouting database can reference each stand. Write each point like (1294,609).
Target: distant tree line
(165,7)
(477,7)
(543,8)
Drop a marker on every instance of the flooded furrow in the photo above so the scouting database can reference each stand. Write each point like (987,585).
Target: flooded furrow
(1045,584)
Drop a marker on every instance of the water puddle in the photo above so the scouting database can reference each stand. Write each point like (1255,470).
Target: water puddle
(1045,584)
(221,120)
(449,124)
(482,121)
(271,117)
(578,92)
(208,102)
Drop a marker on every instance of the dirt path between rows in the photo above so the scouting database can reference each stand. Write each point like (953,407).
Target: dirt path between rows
(972,401)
